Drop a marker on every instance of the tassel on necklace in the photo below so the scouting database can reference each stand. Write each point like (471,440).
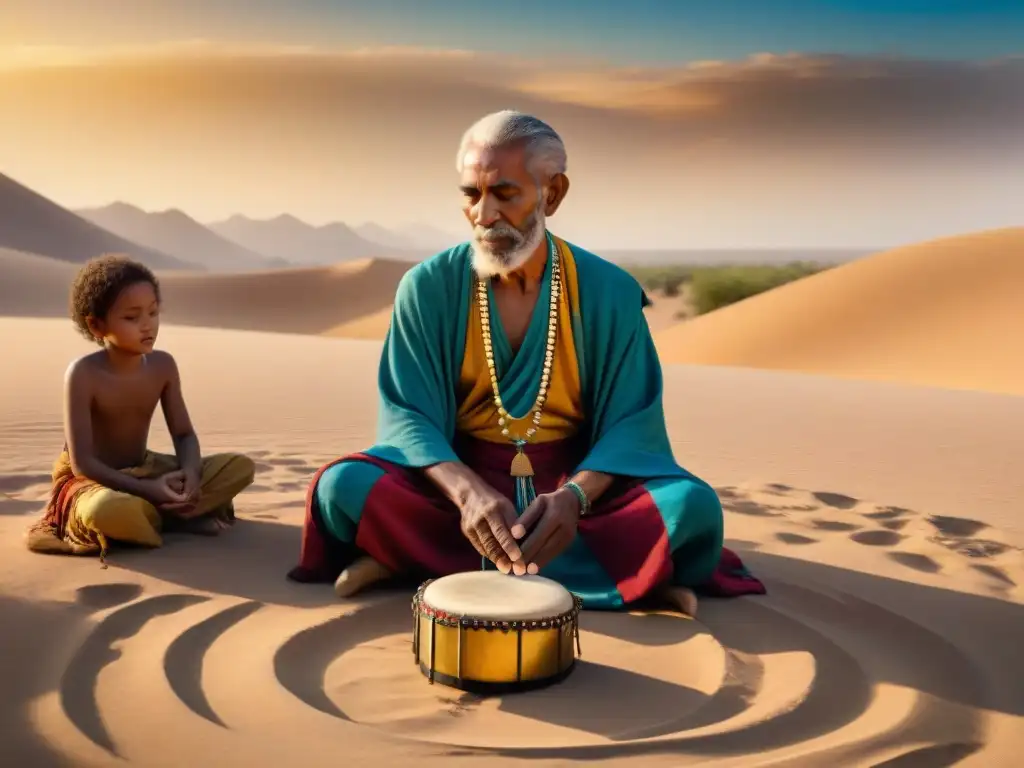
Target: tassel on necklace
(522,471)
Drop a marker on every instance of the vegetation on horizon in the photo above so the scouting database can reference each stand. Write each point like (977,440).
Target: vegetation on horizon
(710,288)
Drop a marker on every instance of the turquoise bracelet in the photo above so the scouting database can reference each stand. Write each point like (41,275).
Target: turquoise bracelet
(581,495)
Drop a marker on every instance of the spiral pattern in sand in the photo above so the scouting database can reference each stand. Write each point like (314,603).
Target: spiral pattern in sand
(160,672)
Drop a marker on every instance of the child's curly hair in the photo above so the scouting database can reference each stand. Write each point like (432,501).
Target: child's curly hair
(98,284)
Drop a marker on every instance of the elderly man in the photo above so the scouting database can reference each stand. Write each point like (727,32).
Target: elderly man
(521,423)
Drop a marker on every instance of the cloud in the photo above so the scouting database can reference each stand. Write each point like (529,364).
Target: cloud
(765,101)
(819,98)
(765,97)
(700,146)
(820,104)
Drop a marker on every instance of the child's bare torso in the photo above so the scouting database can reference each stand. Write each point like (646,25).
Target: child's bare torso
(122,405)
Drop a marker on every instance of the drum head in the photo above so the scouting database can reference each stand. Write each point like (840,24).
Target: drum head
(495,596)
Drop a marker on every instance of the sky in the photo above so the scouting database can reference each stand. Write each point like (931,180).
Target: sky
(688,124)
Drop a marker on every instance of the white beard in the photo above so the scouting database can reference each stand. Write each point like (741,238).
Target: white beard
(487,263)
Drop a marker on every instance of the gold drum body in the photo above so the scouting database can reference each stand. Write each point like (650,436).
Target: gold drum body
(486,632)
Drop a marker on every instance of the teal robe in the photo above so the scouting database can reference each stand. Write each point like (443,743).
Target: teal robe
(677,514)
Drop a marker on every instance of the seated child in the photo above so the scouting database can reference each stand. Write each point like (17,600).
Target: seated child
(107,486)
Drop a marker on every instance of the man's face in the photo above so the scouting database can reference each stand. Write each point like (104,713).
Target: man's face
(504,204)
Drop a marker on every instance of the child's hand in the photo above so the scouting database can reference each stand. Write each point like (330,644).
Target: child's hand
(191,487)
(168,490)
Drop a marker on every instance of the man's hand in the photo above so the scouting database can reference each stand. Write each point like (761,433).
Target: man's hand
(486,519)
(551,522)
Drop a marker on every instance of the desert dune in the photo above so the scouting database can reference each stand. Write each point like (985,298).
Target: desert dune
(34,286)
(883,517)
(308,301)
(352,299)
(946,313)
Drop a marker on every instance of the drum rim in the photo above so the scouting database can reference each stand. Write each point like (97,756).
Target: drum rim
(450,619)
(495,688)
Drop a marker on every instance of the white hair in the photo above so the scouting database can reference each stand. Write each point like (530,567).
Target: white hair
(545,150)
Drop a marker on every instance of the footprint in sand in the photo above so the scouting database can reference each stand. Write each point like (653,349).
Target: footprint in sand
(834,525)
(974,548)
(956,534)
(290,464)
(878,538)
(891,519)
(960,527)
(894,525)
(887,513)
(835,500)
(752,508)
(734,500)
(794,538)
(779,500)
(290,486)
(916,561)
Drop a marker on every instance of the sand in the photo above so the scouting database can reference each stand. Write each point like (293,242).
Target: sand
(946,313)
(884,518)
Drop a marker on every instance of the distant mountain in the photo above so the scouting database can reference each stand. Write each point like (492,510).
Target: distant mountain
(412,237)
(286,237)
(31,223)
(176,233)
(429,237)
(375,233)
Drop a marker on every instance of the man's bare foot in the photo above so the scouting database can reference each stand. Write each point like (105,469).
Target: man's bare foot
(682,599)
(358,576)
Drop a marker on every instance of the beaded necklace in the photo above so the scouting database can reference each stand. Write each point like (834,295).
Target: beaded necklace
(522,469)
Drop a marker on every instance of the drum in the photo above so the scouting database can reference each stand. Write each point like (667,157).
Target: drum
(487,632)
